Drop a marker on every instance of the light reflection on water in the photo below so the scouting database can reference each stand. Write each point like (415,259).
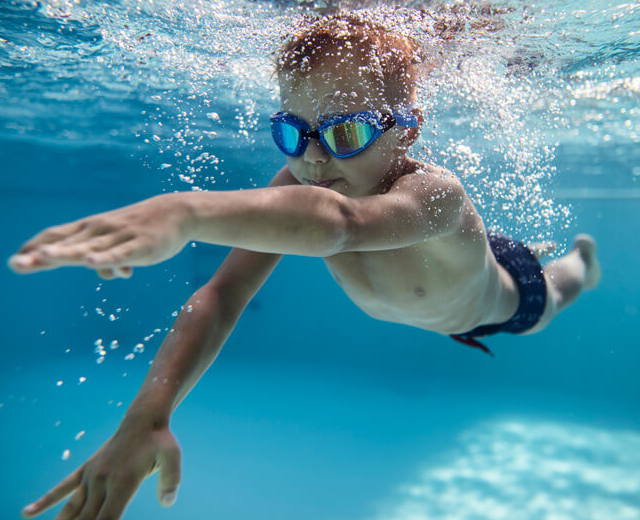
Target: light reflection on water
(513,86)
(512,82)
(527,471)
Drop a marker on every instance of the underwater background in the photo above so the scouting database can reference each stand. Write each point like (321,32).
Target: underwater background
(536,108)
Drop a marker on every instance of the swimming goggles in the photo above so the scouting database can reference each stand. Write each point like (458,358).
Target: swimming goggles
(343,135)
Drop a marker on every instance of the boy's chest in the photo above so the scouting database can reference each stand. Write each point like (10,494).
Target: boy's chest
(403,284)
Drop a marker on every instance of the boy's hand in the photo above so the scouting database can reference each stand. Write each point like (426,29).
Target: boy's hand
(104,485)
(116,272)
(141,234)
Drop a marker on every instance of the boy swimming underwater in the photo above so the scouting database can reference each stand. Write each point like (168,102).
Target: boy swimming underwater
(400,237)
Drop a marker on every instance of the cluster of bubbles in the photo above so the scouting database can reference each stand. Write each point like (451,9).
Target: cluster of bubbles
(101,348)
(191,83)
(488,125)
(84,72)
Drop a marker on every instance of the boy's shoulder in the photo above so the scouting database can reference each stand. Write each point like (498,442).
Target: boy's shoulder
(423,168)
(441,193)
(419,174)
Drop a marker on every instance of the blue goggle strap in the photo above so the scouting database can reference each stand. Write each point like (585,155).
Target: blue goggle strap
(405,118)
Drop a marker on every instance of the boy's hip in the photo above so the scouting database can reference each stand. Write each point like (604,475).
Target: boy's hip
(528,275)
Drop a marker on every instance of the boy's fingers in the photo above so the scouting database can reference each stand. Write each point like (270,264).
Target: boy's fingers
(60,254)
(106,274)
(109,273)
(34,265)
(55,495)
(121,254)
(73,506)
(52,234)
(35,261)
(170,475)
(89,243)
(124,271)
(24,263)
(95,498)
(118,496)
(81,236)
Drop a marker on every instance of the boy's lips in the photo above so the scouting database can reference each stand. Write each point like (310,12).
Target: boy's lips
(323,184)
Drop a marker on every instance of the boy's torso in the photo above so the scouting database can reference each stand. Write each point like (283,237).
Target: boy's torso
(448,283)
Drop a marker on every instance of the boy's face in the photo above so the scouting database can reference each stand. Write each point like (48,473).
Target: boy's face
(335,88)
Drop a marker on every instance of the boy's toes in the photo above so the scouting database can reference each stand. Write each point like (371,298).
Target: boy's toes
(586,246)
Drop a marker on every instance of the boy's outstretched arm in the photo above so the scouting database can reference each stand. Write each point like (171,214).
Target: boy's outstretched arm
(295,219)
(103,486)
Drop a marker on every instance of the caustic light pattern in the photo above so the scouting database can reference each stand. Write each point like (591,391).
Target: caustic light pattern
(528,471)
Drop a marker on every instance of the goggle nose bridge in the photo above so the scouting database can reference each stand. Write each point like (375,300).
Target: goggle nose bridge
(310,134)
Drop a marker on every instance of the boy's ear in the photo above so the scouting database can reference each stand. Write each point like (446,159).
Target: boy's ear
(408,136)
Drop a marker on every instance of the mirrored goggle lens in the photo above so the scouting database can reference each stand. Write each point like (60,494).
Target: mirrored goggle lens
(349,137)
(286,136)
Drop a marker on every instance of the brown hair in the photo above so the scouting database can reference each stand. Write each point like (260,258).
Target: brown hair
(393,57)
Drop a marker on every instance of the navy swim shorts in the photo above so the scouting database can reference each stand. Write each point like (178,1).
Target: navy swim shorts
(527,273)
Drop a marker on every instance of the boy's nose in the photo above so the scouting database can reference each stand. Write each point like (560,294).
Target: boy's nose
(316,153)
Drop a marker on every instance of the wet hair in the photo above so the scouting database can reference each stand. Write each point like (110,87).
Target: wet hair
(392,58)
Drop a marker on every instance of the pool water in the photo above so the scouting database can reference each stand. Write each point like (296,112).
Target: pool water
(104,103)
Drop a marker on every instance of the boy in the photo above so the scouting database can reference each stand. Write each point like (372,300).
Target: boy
(400,237)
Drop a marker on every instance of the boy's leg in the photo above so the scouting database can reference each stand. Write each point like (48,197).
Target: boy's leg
(567,277)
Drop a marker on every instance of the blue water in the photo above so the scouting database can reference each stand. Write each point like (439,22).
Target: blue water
(103,104)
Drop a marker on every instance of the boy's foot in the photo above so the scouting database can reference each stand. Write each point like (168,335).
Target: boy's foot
(586,246)
(542,249)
